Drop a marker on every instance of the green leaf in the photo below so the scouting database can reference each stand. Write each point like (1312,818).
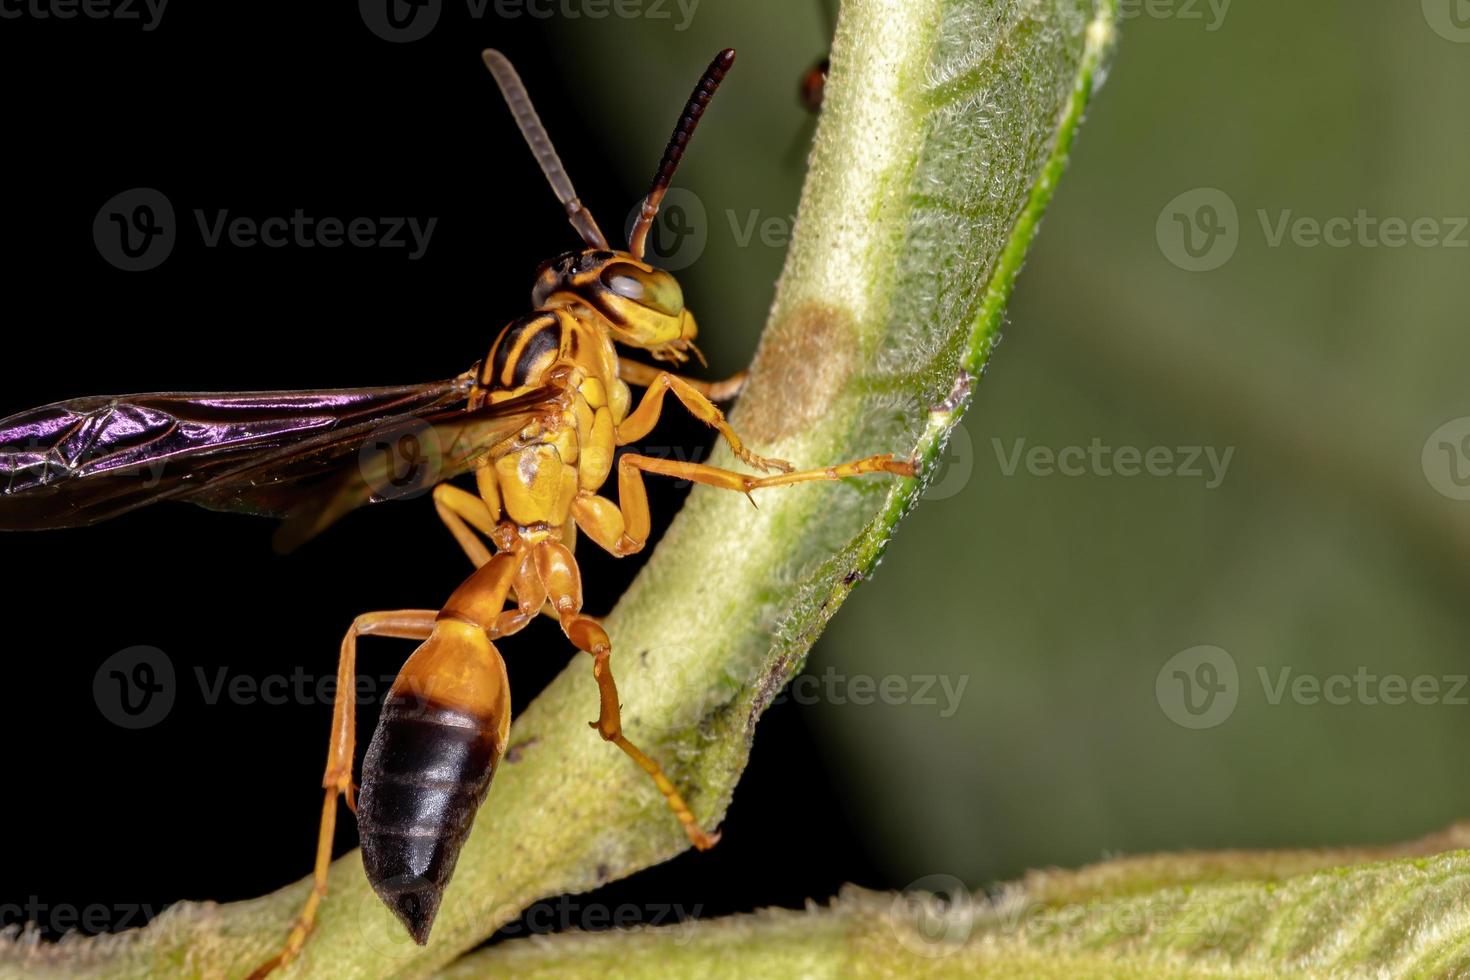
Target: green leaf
(946,126)
(1240,914)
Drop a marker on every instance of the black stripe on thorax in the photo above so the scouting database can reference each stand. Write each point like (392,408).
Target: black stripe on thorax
(520,345)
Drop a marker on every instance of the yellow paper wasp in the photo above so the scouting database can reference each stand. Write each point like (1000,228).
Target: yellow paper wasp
(537,423)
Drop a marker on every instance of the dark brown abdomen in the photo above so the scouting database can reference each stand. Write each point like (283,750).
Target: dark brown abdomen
(426,772)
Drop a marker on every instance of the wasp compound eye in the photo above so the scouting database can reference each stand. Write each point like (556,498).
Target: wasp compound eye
(655,290)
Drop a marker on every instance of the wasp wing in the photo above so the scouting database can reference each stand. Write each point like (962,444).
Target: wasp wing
(283,454)
(398,458)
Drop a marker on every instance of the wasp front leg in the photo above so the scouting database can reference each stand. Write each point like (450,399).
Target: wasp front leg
(645,416)
(406,624)
(644,375)
(557,569)
(622,528)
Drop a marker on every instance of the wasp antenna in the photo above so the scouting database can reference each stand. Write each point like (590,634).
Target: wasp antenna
(514,91)
(674,152)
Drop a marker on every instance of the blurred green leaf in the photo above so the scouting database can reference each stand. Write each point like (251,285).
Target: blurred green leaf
(1326,551)
(1293,914)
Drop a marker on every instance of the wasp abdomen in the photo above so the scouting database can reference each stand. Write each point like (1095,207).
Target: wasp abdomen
(426,772)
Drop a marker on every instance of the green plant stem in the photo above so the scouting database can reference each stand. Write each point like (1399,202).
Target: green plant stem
(1396,911)
(946,125)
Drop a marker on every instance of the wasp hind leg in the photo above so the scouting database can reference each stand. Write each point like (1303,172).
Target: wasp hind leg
(557,568)
(406,624)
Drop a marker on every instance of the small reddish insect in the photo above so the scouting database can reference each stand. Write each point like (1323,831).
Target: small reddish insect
(813,87)
(536,423)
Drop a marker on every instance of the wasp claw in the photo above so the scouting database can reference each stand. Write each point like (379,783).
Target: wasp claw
(766,465)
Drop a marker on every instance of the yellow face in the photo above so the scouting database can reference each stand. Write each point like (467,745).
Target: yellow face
(641,306)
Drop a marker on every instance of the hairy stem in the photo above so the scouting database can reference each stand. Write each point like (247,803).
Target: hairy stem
(946,125)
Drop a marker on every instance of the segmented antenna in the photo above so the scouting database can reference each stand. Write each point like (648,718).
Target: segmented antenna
(519,102)
(674,152)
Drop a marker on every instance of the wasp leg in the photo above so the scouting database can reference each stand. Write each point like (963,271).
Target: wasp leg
(405,624)
(530,599)
(558,570)
(464,514)
(622,528)
(644,375)
(645,416)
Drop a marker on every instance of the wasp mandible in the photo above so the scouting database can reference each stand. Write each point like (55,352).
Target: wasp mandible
(537,423)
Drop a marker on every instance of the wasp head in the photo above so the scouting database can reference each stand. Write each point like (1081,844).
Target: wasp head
(642,306)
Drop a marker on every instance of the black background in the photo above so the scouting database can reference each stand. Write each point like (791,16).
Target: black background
(230,106)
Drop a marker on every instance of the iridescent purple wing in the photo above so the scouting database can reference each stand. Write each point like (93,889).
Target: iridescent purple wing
(307,456)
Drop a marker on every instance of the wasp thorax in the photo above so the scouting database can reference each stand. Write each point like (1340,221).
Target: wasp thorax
(642,306)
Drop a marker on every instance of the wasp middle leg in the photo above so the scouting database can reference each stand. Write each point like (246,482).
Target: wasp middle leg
(645,416)
(644,375)
(405,624)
